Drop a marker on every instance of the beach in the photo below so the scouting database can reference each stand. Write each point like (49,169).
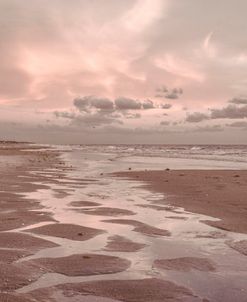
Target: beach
(216,193)
(105,224)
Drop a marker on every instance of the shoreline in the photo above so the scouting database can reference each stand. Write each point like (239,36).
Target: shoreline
(219,194)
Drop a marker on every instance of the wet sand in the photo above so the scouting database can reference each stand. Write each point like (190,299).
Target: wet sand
(69,231)
(106,211)
(23,170)
(121,244)
(185,264)
(16,275)
(17,164)
(83,264)
(9,256)
(81,204)
(23,241)
(18,161)
(140,227)
(220,194)
(18,219)
(240,246)
(4,297)
(146,290)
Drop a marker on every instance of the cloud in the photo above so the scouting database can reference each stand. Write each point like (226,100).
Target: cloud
(238,101)
(178,67)
(230,111)
(64,114)
(88,102)
(95,111)
(165,123)
(95,119)
(162,89)
(208,128)
(130,104)
(148,104)
(196,117)
(103,104)
(143,14)
(240,124)
(171,96)
(164,92)
(208,47)
(174,94)
(14,82)
(91,111)
(83,103)
(123,103)
(166,106)
(132,115)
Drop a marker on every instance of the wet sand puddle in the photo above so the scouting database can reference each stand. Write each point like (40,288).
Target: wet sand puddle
(89,197)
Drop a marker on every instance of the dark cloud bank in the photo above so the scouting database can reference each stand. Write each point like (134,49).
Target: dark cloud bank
(236,109)
(164,92)
(96,111)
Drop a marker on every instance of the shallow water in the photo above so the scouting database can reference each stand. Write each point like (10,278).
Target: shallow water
(85,182)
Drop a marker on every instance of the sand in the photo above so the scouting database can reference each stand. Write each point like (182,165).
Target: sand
(13,298)
(14,274)
(106,211)
(23,241)
(158,207)
(83,264)
(216,193)
(145,290)
(17,164)
(20,219)
(141,227)
(17,275)
(9,256)
(84,203)
(212,235)
(185,264)
(240,246)
(122,244)
(68,231)
(18,161)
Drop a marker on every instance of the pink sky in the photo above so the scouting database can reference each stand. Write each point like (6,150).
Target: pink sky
(145,71)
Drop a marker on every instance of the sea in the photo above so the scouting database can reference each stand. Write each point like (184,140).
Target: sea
(169,156)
